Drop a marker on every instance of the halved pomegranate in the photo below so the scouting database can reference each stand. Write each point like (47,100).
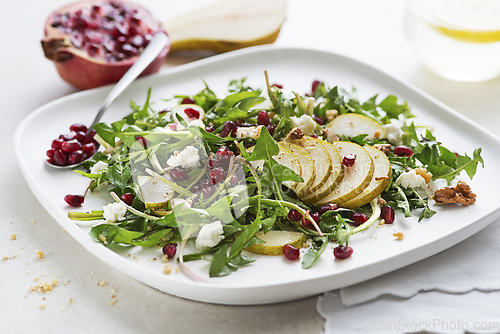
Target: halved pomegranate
(93,43)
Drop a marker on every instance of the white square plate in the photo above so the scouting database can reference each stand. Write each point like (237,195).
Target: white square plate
(268,279)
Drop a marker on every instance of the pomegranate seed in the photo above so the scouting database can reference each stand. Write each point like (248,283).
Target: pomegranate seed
(358,218)
(68,136)
(136,41)
(292,253)
(71,146)
(210,128)
(234,180)
(78,127)
(128,198)
(164,111)
(60,158)
(75,157)
(307,223)
(403,151)
(178,174)
(141,140)
(170,249)
(277,86)
(187,100)
(224,157)
(294,215)
(50,153)
(81,136)
(271,129)
(327,207)
(90,138)
(129,50)
(315,85)
(388,214)
(74,200)
(212,163)
(206,188)
(216,175)
(192,113)
(196,188)
(89,149)
(56,144)
(228,129)
(93,50)
(223,150)
(342,252)
(263,118)
(314,136)
(349,160)
(319,120)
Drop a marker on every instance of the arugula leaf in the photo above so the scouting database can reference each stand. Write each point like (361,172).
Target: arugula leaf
(314,252)
(393,109)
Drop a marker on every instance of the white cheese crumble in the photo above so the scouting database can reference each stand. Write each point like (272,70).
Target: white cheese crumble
(210,235)
(394,134)
(197,122)
(188,157)
(305,123)
(98,167)
(114,212)
(248,132)
(410,179)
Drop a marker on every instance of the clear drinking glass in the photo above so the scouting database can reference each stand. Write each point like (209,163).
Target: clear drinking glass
(457,39)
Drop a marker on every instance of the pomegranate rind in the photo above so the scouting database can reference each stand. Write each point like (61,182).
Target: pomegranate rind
(79,69)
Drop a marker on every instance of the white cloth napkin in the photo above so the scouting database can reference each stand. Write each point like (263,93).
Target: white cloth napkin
(459,280)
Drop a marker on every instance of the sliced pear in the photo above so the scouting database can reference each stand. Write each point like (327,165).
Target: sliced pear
(351,125)
(274,241)
(180,111)
(331,183)
(356,178)
(307,164)
(154,193)
(228,25)
(382,175)
(321,158)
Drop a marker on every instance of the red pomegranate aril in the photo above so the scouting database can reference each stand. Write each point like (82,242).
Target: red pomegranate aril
(403,151)
(327,207)
(314,136)
(212,163)
(141,140)
(56,144)
(81,136)
(291,252)
(50,153)
(210,128)
(228,129)
(216,175)
(271,129)
(308,224)
(192,113)
(136,41)
(68,136)
(89,149)
(223,150)
(77,40)
(315,85)
(358,218)
(388,214)
(78,127)
(177,174)
(128,198)
(71,146)
(75,157)
(206,188)
(187,100)
(235,180)
(294,215)
(196,188)
(170,249)
(342,252)
(74,200)
(60,157)
(349,160)
(277,86)
(319,120)
(263,118)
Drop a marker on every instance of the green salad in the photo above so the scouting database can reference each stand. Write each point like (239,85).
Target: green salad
(266,172)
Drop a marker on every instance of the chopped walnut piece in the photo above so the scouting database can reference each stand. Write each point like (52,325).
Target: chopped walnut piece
(386,148)
(167,269)
(424,173)
(398,235)
(331,114)
(39,254)
(461,194)
(296,133)
(13,237)
(376,135)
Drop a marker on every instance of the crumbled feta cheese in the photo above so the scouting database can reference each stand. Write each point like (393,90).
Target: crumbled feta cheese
(410,179)
(197,122)
(248,132)
(394,134)
(99,167)
(288,94)
(186,158)
(114,212)
(210,235)
(305,123)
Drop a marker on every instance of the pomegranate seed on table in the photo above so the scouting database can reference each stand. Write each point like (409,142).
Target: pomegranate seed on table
(358,218)
(327,207)
(294,215)
(192,113)
(170,249)
(388,214)
(263,118)
(403,151)
(342,252)
(187,100)
(349,160)
(291,252)
(74,200)
(128,198)
(216,175)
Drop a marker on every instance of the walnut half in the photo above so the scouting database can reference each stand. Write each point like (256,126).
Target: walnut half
(461,194)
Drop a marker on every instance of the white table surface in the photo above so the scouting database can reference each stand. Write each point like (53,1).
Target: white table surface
(368,30)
